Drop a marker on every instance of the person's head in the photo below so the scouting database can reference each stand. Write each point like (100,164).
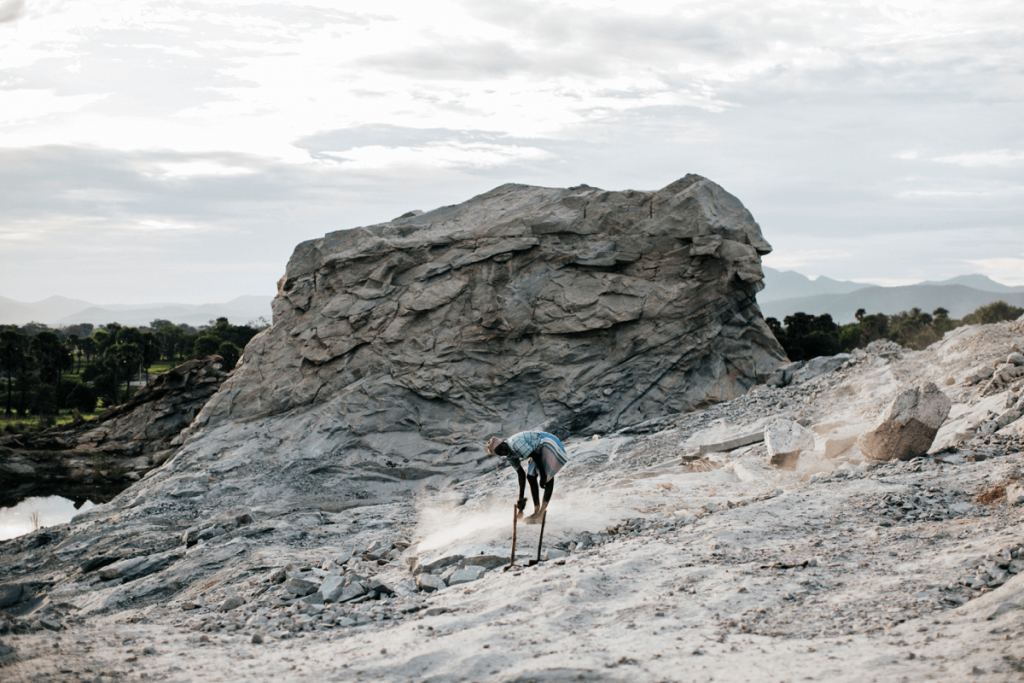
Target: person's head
(496,446)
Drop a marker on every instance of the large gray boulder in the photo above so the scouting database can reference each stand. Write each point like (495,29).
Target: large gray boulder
(908,425)
(577,309)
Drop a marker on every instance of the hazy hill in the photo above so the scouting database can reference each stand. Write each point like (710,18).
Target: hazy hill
(787,284)
(958,299)
(59,311)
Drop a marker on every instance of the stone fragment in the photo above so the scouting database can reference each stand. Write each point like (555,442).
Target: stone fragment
(429,583)
(332,587)
(351,592)
(466,575)
(439,563)
(785,440)
(10,594)
(978,373)
(885,348)
(137,567)
(257,639)
(230,603)
(908,425)
(300,587)
(488,562)
(838,445)
(733,443)
(822,365)
(1015,359)
(50,624)
(380,587)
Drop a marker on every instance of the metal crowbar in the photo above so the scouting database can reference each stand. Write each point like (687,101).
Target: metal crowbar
(515,520)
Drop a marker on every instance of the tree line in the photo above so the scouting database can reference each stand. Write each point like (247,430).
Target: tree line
(73,368)
(805,336)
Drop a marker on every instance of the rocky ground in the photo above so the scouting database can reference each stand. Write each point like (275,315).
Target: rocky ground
(669,555)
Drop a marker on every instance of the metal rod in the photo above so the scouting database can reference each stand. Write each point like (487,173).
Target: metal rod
(515,519)
(543,519)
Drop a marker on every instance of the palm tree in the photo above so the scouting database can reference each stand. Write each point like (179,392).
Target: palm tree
(52,356)
(12,349)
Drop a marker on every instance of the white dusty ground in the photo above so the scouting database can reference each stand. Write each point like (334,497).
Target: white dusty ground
(745,572)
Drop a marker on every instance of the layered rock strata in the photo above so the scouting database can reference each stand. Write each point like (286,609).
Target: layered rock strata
(578,309)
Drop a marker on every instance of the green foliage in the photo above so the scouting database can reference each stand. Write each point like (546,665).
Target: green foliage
(206,345)
(995,312)
(44,400)
(81,397)
(230,353)
(804,336)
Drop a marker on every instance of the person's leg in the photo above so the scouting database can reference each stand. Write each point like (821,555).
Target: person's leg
(538,511)
(549,488)
(534,490)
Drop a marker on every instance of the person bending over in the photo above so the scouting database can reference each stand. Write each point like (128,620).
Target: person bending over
(546,455)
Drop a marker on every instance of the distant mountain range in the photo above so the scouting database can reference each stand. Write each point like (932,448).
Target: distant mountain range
(787,292)
(59,311)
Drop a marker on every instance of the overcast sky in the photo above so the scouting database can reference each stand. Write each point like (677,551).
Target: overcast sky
(178,151)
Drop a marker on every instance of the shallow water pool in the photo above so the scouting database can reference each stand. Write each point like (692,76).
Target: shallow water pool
(38,512)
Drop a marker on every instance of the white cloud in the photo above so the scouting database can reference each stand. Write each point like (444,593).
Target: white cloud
(27,106)
(995,157)
(162,225)
(438,155)
(799,258)
(191,169)
(11,10)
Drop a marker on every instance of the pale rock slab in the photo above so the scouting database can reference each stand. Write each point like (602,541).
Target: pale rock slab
(785,439)
(908,425)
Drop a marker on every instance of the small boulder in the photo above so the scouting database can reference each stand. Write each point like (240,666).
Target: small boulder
(1015,359)
(429,583)
(351,592)
(233,602)
(50,624)
(10,594)
(466,575)
(300,587)
(332,587)
(908,426)
(441,563)
(487,561)
(785,439)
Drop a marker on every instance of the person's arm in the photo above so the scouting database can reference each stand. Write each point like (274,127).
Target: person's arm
(521,476)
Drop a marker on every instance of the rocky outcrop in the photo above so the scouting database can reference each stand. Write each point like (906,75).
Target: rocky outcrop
(578,309)
(908,426)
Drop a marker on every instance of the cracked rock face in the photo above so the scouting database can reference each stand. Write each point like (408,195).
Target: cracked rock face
(579,310)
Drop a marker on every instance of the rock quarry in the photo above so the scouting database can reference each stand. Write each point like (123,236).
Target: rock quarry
(330,512)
